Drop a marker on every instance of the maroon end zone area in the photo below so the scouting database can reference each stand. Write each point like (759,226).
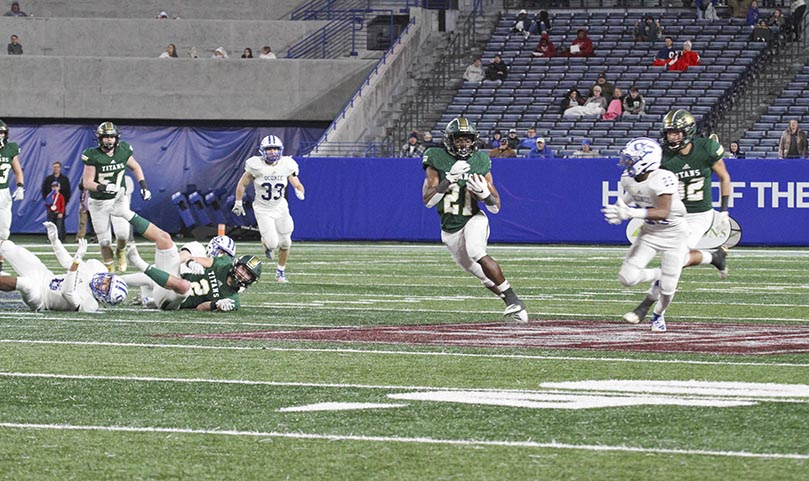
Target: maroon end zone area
(705,338)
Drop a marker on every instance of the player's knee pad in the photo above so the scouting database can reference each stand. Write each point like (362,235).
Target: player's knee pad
(668,284)
(285,241)
(104,239)
(629,275)
(4,234)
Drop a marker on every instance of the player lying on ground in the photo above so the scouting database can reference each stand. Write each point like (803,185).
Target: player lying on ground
(216,289)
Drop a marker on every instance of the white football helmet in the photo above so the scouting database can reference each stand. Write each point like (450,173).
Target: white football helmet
(641,155)
(219,245)
(108,288)
(271,149)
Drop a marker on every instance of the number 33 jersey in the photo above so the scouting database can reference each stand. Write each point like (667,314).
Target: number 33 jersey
(271,181)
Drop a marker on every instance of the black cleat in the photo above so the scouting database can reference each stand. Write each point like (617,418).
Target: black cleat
(639,313)
(720,261)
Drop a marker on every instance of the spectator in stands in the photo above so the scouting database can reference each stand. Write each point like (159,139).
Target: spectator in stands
(495,140)
(666,53)
(762,32)
(648,30)
(734,151)
(585,150)
(752,14)
(193,52)
(497,69)
(594,105)
(55,209)
(710,11)
(412,148)
(427,140)
(634,103)
(541,23)
(606,87)
(686,58)
(513,140)
(615,107)
(15,11)
(572,99)
(777,19)
(474,72)
(266,52)
(793,142)
(540,150)
(521,24)
(738,8)
(171,52)
(530,138)
(14,47)
(582,46)
(220,52)
(798,10)
(503,150)
(56,176)
(248,53)
(545,47)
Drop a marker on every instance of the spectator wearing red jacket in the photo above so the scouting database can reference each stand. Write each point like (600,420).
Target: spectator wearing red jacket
(582,46)
(55,203)
(545,47)
(686,58)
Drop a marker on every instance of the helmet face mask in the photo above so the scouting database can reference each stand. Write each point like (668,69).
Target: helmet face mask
(246,270)
(220,245)
(108,136)
(108,288)
(678,121)
(640,156)
(3,133)
(271,149)
(461,138)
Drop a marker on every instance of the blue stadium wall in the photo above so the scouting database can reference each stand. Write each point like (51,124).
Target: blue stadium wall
(380,199)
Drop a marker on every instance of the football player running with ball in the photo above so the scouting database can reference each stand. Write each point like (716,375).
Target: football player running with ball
(693,160)
(457,179)
(270,172)
(654,193)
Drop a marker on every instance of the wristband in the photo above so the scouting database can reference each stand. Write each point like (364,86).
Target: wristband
(20,184)
(213,305)
(637,213)
(142,183)
(443,186)
(725,202)
(101,188)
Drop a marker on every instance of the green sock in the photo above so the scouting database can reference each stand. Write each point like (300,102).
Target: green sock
(139,223)
(157,275)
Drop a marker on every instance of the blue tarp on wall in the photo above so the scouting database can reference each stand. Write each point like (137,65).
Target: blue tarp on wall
(380,199)
(173,158)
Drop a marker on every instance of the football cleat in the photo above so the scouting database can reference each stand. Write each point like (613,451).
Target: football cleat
(516,313)
(280,276)
(639,313)
(720,261)
(658,323)
(268,254)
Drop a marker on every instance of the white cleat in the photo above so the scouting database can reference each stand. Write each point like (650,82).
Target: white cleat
(658,323)
(631,317)
(516,314)
(280,276)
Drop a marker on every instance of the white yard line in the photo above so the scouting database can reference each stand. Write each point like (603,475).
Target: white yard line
(371,352)
(396,439)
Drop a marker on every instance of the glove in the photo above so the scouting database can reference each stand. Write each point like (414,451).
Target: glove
(145,194)
(457,171)
(19,193)
(225,305)
(79,255)
(53,233)
(109,188)
(479,186)
(616,213)
(299,194)
(194,267)
(238,208)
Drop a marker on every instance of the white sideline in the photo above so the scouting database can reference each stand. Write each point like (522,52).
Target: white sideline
(395,439)
(405,353)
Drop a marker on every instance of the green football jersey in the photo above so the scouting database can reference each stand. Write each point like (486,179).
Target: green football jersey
(458,204)
(211,285)
(109,169)
(7,154)
(694,172)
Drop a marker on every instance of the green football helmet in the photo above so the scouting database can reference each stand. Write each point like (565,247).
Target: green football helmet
(3,133)
(250,273)
(457,129)
(107,129)
(678,120)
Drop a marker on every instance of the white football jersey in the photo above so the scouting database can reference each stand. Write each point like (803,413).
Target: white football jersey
(52,293)
(271,181)
(644,194)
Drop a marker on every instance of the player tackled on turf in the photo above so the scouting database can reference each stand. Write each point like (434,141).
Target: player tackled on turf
(456,180)
(215,289)
(654,193)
